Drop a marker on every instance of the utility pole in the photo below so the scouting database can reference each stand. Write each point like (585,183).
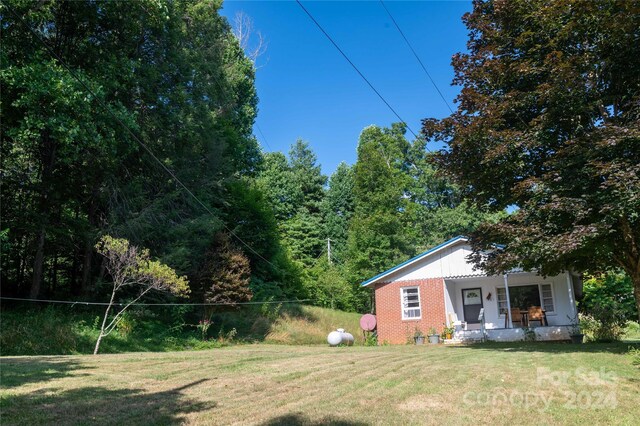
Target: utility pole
(329,250)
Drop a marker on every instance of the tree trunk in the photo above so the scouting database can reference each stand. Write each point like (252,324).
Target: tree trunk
(48,161)
(73,275)
(104,321)
(88,248)
(37,266)
(54,275)
(635,279)
(86,267)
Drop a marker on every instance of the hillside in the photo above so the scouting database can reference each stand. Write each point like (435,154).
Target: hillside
(74,330)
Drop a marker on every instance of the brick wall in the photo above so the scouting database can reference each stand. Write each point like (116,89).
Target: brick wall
(391,327)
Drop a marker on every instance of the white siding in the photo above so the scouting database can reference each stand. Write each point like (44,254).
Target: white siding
(449,262)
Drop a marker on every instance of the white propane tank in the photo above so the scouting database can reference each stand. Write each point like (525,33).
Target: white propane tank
(339,336)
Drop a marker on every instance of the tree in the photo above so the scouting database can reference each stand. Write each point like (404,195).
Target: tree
(377,237)
(295,189)
(549,122)
(173,73)
(609,291)
(337,209)
(437,210)
(275,180)
(226,273)
(133,267)
(307,176)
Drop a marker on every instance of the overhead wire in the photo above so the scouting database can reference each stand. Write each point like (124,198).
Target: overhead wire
(356,69)
(78,302)
(424,68)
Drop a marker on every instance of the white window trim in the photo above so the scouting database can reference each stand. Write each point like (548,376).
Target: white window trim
(498,301)
(402,308)
(553,296)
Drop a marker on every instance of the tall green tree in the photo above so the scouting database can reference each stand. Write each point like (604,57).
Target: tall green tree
(377,239)
(275,180)
(549,121)
(307,176)
(337,209)
(295,188)
(437,208)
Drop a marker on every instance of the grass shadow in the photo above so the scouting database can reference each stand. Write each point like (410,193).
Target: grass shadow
(300,420)
(100,405)
(553,347)
(16,372)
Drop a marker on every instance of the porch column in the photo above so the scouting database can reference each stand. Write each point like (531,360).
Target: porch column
(506,290)
(571,298)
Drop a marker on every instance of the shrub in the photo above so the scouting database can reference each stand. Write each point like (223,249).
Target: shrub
(612,290)
(607,326)
(634,353)
(371,340)
(126,324)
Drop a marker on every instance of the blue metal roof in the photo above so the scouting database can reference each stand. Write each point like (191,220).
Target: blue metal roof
(413,259)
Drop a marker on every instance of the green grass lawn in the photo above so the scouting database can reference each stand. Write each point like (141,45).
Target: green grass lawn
(519,383)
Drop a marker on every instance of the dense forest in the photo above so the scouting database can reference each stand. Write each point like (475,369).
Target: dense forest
(109,108)
(135,120)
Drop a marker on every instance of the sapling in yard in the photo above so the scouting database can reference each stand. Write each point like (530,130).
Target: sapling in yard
(130,266)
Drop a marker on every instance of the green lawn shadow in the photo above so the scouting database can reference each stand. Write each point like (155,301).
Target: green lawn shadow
(553,347)
(16,371)
(100,405)
(297,419)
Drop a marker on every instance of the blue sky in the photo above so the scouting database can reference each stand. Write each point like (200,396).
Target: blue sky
(308,90)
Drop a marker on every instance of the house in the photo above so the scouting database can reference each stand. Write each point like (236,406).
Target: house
(440,286)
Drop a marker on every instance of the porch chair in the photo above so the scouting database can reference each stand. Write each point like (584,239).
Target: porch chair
(536,313)
(457,324)
(516,318)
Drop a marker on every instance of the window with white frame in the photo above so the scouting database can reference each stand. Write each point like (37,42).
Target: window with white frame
(523,296)
(410,297)
(546,296)
(501,295)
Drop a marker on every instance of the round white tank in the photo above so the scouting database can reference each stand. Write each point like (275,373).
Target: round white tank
(339,337)
(334,338)
(347,339)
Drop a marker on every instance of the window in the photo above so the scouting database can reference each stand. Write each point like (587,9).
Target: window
(501,294)
(546,295)
(523,296)
(410,297)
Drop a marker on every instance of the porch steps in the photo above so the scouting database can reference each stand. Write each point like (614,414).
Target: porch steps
(454,341)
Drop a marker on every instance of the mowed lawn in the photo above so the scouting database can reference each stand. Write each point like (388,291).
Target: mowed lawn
(272,384)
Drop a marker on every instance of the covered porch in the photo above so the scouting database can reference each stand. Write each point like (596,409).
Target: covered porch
(512,307)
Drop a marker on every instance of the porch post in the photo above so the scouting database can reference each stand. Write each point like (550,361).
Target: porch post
(570,290)
(506,290)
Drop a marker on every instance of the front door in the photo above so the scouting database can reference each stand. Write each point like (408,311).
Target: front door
(471,304)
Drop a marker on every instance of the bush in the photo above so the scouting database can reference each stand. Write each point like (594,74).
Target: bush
(42,332)
(634,353)
(607,306)
(610,291)
(606,327)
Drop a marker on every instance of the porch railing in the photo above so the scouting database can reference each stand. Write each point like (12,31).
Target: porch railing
(483,329)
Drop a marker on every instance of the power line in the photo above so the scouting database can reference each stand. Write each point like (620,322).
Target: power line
(263,138)
(135,137)
(356,68)
(424,68)
(69,302)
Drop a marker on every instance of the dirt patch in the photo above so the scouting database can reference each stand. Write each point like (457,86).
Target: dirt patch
(422,402)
